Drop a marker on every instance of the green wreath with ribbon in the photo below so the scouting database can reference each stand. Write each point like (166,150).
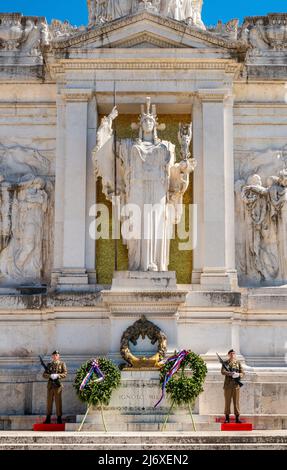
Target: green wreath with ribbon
(97,391)
(183,388)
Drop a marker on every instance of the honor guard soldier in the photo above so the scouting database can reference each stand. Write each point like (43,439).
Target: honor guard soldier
(231,385)
(55,371)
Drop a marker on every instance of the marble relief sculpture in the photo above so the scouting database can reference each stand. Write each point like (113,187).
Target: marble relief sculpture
(149,180)
(26,215)
(101,11)
(27,35)
(266,230)
(22,229)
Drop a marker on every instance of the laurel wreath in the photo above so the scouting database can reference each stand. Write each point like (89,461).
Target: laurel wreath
(183,389)
(97,393)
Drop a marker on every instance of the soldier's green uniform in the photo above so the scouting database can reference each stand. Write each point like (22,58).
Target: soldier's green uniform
(54,391)
(231,388)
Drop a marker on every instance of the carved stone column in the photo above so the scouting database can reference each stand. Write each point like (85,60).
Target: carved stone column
(91,189)
(74,191)
(218,190)
(198,199)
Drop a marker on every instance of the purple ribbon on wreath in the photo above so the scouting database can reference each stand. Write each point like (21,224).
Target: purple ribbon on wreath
(177,359)
(94,369)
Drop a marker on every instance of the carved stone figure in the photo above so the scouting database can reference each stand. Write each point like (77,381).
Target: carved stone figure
(32,38)
(265,33)
(91,10)
(184,138)
(228,30)
(22,189)
(61,29)
(254,194)
(44,34)
(278,215)
(101,11)
(25,34)
(22,258)
(177,9)
(183,10)
(266,227)
(11,31)
(152,6)
(149,182)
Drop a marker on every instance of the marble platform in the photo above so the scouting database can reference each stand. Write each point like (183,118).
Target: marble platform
(216,440)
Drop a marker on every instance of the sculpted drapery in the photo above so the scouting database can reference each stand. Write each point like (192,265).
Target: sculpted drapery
(150,184)
(22,254)
(266,230)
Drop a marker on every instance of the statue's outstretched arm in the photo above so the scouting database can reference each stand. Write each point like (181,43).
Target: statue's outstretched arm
(104,153)
(105,130)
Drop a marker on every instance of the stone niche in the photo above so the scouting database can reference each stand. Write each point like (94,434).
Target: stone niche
(181,261)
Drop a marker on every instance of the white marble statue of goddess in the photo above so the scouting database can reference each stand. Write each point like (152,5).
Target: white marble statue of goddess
(149,182)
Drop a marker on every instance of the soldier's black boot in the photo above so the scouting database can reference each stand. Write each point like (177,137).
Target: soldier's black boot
(47,420)
(227,420)
(237,420)
(59,420)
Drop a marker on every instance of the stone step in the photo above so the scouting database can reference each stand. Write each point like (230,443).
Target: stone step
(143,427)
(148,418)
(260,440)
(117,421)
(25,423)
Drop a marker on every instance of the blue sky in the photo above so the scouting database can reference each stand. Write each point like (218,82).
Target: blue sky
(76,11)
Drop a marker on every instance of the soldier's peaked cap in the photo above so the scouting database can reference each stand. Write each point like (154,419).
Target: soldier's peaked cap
(231,351)
(55,352)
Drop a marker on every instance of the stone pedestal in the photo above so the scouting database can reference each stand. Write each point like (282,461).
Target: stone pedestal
(132,406)
(137,280)
(153,294)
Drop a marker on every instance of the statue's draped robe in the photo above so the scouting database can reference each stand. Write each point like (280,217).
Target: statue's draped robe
(278,216)
(262,252)
(177,9)
(119,8)
(149,178)
(147,173)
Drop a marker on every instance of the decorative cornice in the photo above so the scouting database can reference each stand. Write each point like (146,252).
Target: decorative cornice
(123,303)
(97,33)
(270,17)
(214,95)
(76,95)
(226,65)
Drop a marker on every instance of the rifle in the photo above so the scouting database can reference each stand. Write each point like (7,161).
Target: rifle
(55,382)
(228,369)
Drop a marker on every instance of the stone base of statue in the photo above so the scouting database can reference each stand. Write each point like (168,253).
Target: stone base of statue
(132,407)
(140,280)
(151,294)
